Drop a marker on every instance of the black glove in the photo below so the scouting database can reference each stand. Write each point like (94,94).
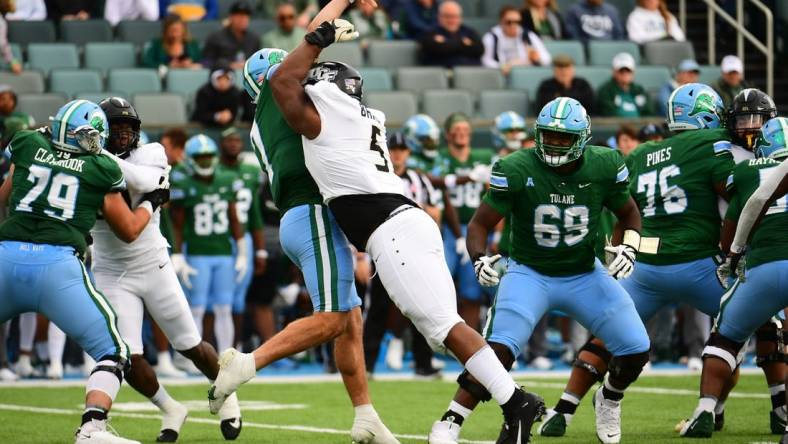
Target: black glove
(157,197)
(323,36)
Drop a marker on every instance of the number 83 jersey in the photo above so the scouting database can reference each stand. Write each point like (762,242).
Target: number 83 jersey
(555,218)
(350,155)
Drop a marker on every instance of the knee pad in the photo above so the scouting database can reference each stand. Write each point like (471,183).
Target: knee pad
(626,369)
(474,388)
(771,332)
(720,347)
(107,375)
(597,350)
(504,354)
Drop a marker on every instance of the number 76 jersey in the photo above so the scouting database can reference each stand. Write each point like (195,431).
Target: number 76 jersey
(350,155)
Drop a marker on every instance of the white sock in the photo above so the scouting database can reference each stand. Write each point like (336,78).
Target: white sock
(56,343)
(164,358)
(460,409)
(27,331)
(198,313)
(365,411)
(707,403)
(223,326)
(488,370)
(161,399)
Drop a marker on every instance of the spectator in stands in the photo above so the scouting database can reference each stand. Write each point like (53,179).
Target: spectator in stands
(305,9)
(416,17)
(451,43)
(688,71)
(651,21)
(732,80)
(29,10)
(174,142)
(594,20)
(565,84)
(621,96)
(218,102)
(651,132)
(627,139)
(543,18)
(74,9)
(507,45)
(190,10)
(371,23)
(116,11)
(234,43)
(8,102)
(174,49)
(14,65)
(286,35)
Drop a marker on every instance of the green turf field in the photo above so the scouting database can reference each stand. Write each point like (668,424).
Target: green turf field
(321,413)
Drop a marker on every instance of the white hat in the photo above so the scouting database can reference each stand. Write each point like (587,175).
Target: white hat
(624,60)
(731,63)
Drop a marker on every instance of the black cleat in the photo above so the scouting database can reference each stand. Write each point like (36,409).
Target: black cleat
(231,428)
(719,421)
(516,428)
(167,435)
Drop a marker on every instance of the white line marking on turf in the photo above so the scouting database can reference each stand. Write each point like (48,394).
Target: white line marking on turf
(291,428)
(653,390)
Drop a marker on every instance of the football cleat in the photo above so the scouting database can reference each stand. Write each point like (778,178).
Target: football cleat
(24,366)
(55,370)
(98,432)
(444,432)
(777,421)
(608,418)
(701,425)
(371,430)
(554,423)
(516,428)
(394,353)
(719,421)
(230,416)
(6,375)
(172,419)
(235,368)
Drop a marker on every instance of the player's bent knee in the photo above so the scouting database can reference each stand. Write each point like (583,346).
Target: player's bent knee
(770,337)
(107,375)
(504,354)
(470,385)
(720,347)
(333,324)
(625,369)
(599,353)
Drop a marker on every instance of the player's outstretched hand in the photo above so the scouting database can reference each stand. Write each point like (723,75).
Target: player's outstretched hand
(621,260)
(485,270)
(183,269)
(337,30)
(731,269)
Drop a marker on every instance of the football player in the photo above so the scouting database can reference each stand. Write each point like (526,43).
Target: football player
(422,136)
(509,133)
(58,183)
(139,275)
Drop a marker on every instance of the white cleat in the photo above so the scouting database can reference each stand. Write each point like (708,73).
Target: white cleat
(230,416)
(172,418)
(95,432)
(55,370)
(394,354)
(437,363)
(235,368)
(608,419)
(541,363)
(444,432)
(694,364)
(6,375)
(371,430)
(24,366)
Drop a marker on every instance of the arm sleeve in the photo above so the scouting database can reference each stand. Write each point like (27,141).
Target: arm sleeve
(755,204)
(502,183)
(488,59)
(618,194)
(143,176)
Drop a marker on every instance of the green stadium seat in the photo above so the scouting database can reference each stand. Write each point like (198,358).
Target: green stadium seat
(41,106)
(528,78)
(73,81)
(397,105)
(667,52)
(138,31)
(97,97)
(492,8)
(81,32)
(421,78)
(186,82)
(376,79)
(492,103)
(161,109)
(106,56)
(480,24)
(261,26)
(202,29)
(477,79)
(595,75)
(470,8)
(130,81)
(572,48)
(349,53)
(25,32)
(709,73)
(28,82)
(601,52)
(652,77)
(439,104)
(392,54)
(46,56)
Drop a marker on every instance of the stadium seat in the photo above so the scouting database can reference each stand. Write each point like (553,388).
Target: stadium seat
(528,78)
(421,78)
(186,82)
(492,103)
(41,106)
(392,54)
(46,56)
(470,8)
(24,32)
(492,8)
(709,73)
(161,109)
(106,56)
(376,79)
(97,97)
(480,24)
(349,53)
(261,26)
(73,81)
(138,31)
(398,105)
(81,32)
(476,79)
(28,82)
(572,48)
(667,52)
(130,81)
(202,29)
(601,52)
(596,75)
(440,103)
(652,77)
(16,50)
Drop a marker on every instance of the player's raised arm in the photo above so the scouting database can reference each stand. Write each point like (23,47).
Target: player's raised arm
(128,224)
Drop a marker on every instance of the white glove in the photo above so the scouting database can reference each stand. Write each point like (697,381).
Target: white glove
(621,260)
(345,31)
(732,268)
(183,269)
(89,139)
(485,270)
(480,174)
(462,250)
(241,259)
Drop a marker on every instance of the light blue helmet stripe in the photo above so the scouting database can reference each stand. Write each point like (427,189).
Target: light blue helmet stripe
(559,110)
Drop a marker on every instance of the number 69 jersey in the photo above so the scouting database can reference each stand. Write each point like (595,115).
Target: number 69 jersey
(350,155)
(672,182)
(555,218)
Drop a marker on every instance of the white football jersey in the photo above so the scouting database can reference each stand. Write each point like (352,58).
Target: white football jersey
(350,156)
(142,170)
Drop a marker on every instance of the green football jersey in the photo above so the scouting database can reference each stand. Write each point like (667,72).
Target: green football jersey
(280,152)
(207,227)
(769,242)
(555,218)
(56,195)
(467,197)
(673,185)
(247,199)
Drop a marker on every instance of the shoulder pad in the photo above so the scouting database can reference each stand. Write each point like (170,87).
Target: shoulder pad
(150,154)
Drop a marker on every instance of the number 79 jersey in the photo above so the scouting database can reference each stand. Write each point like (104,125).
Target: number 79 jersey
(350,155)
(672,182)
(555,218)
